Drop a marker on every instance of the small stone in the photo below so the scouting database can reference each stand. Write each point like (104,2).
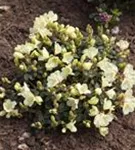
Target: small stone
(115,30)
(21,139)
(26,135)
(4,8)
(23,147)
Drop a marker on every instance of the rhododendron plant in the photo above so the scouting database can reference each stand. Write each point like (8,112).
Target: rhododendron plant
(68,78)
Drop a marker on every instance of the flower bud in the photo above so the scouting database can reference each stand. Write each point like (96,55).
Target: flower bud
(93,111)
(103,131)
(5,80)
(34,54)
(122,65)
(18,55)
(92,42)
(37,125)
(93,101)
(2,92)
(74,91)
(54,123)
(33,67)
(40,85)
(87,123)
(58,96)
(23,67)
(17,86)
(98,91)
(53,111)
(105,38)
(87,65)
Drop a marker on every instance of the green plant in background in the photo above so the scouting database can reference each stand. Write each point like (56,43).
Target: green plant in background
(108,17)
(111,10)
(67,78)
(108,12)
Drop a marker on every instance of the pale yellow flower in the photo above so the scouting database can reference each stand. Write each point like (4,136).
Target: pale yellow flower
(66,71)
(51,16)
(18,55)
(52,63)
(24,48)
(9,105)
(94,100)
(103,131)
(110,70)
(98,91)
(129,102)
(67,57)
(73,103)
(54,79)
(123,44)
(29,97)
(71,126)
(129,77)
(38,100)
(93,111)
(9,109)
(90,52)
(70,31)
(44,32)
(57,48)
(107,66)
(82,88)
(41,22)
(103,120)
(111,93)
(87,65)
(44,54)
(107,105)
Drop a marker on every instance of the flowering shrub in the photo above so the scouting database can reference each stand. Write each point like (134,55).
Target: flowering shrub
(67,78)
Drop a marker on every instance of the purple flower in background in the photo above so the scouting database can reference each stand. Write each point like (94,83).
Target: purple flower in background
(104,17)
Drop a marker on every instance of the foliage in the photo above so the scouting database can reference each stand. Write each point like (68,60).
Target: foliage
(123,5)
(106,16)
(67,78)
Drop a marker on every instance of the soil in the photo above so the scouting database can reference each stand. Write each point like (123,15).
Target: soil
(14,29)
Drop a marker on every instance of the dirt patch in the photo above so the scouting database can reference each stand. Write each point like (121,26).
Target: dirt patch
(14,29)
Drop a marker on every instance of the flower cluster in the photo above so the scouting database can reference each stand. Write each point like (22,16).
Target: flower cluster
(67,78)
(104,17)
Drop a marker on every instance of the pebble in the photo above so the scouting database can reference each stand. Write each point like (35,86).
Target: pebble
(25,135)
(4,8)
(115,30)
(21,139)
(23,146)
